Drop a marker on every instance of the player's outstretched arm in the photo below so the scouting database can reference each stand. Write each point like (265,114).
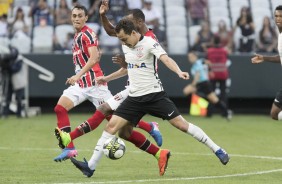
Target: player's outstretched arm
(172,65)
(108,26)
(113,76)
(260,58)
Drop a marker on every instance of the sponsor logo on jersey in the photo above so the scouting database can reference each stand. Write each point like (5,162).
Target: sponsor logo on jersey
(130,66)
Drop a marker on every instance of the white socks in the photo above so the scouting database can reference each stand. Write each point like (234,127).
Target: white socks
(98,151)
(201,136)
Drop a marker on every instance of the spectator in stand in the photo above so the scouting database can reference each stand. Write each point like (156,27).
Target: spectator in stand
(246,25)
(19,23)
(204,38)
(267,38)
(4,7)
(93,13)
(218,74)
(152,17)
(226,37)
(197,10)
(63,13)
(41,13)
(3,25)
(118,9)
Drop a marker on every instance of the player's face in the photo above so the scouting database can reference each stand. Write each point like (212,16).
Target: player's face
(278,18)
(128,40)
(78,18)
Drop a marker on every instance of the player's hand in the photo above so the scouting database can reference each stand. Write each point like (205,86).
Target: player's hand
(120,60)
(184,75)
(104,8)
(72,80)
(101,80)
(257,59)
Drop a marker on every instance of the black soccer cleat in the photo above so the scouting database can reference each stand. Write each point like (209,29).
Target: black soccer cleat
(83,167)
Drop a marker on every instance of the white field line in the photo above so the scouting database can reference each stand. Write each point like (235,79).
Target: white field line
(181,179)
(167,179)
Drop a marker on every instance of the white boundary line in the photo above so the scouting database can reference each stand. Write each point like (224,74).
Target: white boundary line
(168,179)
(181,179)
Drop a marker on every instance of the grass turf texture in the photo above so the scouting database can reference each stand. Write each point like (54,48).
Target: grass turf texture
(28,147)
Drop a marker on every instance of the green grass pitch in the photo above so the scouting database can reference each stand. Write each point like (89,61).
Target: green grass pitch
(28,146)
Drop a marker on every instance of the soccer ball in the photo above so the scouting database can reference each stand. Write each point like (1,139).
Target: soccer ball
(114,148)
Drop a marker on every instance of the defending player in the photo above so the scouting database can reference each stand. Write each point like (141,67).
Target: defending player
(276,109)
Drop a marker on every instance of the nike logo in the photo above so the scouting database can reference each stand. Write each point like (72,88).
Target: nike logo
(171,113)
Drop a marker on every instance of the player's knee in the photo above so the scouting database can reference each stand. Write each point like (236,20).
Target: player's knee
(111,128)
(105,109)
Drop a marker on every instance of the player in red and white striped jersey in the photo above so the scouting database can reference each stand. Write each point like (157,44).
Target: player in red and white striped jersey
(86,58)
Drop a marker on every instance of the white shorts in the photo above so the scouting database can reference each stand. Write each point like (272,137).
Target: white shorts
(95,94)
(116,100)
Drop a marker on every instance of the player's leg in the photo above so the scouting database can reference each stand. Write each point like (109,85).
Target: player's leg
(115,124)
(207,89)
(180,123)
(71,97)
(276,109)
(102,112)
(189,89)
(166,109)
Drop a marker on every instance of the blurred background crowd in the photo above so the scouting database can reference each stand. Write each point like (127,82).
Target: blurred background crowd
(44,26)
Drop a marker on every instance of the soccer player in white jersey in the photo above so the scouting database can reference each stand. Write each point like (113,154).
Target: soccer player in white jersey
(146,93)
(86,57)
(276,109)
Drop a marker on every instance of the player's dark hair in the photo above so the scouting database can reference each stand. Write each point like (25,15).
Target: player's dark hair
(278,7)
(81,7)
(126,25)
(137,14)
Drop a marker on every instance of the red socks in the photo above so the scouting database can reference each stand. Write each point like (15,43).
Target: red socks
(145,126)
(63,121)
(91,124)
(140,141)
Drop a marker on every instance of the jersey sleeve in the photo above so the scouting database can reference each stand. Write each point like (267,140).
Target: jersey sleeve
(155,48)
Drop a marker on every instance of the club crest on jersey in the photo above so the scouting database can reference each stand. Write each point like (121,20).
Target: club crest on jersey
(139,52)
(76,52)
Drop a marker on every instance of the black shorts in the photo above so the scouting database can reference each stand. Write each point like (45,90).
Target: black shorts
(278,99)
(156,104)
(204,87)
